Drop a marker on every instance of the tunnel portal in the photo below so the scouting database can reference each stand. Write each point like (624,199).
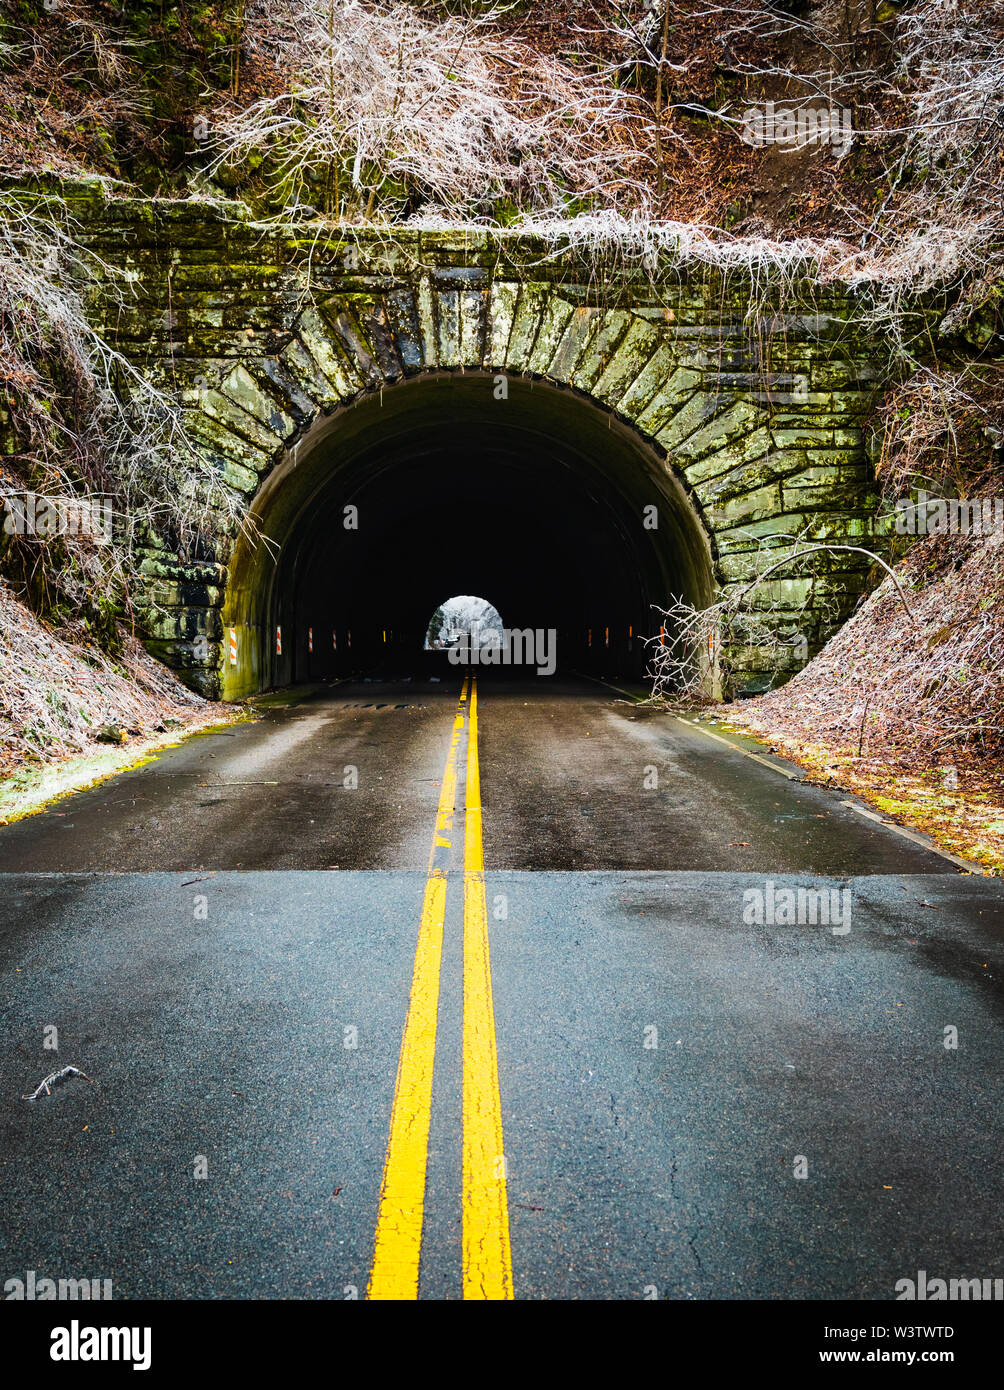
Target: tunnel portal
(531,495)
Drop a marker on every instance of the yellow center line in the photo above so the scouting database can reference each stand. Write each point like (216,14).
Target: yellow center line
(487,1261)
(398,1245)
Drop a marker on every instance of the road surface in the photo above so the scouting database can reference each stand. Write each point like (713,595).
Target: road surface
(259,947)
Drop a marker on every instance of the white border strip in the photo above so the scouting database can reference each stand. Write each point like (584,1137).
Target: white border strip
(968,866)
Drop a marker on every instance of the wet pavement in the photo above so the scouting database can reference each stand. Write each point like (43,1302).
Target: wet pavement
(668,1059)
(348,779)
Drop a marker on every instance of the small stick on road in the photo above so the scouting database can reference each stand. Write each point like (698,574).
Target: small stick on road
(51,1080)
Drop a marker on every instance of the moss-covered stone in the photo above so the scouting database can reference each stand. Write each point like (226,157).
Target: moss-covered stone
(754,396)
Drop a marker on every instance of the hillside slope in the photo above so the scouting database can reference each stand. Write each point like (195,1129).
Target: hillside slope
(906,705)
(60,693)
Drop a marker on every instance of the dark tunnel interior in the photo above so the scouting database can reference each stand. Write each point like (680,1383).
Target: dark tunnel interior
(542,503)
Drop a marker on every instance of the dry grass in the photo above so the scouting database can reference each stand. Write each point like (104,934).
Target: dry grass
(60,689)
(929,689)
(911,712)
(385,110)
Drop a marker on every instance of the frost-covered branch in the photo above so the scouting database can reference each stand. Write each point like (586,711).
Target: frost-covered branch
(748,616)
(386,110)
(83,423)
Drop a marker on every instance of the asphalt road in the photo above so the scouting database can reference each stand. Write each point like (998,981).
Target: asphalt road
(225,940)
(349,779)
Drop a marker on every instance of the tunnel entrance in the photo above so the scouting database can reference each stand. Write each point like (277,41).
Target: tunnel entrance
(439,485)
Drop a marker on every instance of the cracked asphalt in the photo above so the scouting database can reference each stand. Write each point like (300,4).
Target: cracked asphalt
(225,938)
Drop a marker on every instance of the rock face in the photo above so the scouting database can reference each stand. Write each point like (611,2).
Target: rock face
(751,397)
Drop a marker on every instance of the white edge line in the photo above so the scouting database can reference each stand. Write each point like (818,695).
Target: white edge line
(737,748)
(969,866)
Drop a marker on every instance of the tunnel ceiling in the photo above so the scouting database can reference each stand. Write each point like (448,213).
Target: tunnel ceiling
(536,502)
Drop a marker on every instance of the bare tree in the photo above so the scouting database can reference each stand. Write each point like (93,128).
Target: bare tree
(697,650)
(387,110)
(83,422)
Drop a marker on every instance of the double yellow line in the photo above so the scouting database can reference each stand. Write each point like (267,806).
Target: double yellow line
(485,1252)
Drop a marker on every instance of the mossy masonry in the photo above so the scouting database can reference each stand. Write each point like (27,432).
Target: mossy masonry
(752,390)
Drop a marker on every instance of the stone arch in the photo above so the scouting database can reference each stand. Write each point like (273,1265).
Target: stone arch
(566,543)
(743,450)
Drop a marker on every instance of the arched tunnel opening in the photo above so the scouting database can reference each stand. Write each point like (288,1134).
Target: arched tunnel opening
(543,502)
(464,619)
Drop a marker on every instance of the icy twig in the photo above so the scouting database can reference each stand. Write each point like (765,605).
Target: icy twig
(53,1078)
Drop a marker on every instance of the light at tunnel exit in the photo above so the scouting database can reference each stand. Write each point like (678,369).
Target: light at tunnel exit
(463,618)
(554,509)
